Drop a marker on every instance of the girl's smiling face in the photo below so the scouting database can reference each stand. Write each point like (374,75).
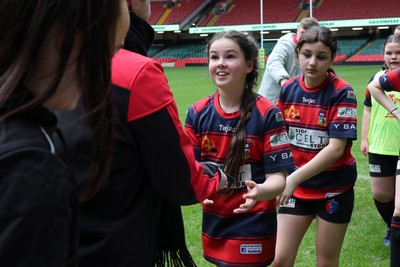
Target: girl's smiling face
(315,59)
(227,65)
(392,55)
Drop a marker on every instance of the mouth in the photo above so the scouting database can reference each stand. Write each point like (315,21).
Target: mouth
(222,73)
(311,70)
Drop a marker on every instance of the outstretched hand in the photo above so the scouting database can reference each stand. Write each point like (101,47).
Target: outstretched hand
(251,197)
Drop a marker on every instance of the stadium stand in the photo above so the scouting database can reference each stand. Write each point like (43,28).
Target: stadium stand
(371,53)
(361,47)
(183,10)
(354,9)
(248,12)
(157,10)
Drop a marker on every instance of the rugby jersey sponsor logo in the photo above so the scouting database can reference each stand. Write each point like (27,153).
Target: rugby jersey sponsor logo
(250,249)
(279,139)
(308,138)
(347,112)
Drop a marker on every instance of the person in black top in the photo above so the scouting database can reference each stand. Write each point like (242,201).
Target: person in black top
(135,219)
(50,51)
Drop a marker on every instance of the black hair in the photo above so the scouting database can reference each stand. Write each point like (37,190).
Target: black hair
(27,26)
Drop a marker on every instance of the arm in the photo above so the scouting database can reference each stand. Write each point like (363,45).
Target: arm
(377,92)
(169,158)
(326,157)
(271,188)
(277,61)
(366,118)
(281,66)
(167,153)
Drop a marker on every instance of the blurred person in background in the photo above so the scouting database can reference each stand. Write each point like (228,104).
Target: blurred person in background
(380,140)
(281,64)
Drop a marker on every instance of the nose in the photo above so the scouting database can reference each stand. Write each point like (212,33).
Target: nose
(221,61)
(312,61)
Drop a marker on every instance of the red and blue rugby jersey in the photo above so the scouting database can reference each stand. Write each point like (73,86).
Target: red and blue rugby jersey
(314,115)
(390,81)
(240,239)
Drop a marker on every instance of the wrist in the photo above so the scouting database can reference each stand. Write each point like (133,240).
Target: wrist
(393,110)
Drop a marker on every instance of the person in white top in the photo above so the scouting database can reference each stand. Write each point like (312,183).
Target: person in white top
(281,63)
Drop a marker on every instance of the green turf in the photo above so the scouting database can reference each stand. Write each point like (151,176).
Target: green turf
(363,244)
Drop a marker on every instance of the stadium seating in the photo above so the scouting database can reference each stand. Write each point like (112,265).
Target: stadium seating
(240,12)
(157,10)
(354,9)
(371,53)
(181,11)
(181,51)
(248,12)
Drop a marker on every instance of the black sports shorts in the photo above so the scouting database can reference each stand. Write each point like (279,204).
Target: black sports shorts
(382,165)
(337,209)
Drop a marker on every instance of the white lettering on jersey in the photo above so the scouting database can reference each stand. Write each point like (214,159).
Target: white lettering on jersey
(309,100)
(226,128)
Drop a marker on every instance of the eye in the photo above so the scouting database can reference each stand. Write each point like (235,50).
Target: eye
(230,56)
(213,57)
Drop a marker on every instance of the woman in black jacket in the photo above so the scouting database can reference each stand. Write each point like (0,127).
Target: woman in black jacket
(51,52)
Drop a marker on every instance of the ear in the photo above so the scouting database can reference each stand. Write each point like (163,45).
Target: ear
(249,65)
(131,4)
(333,58)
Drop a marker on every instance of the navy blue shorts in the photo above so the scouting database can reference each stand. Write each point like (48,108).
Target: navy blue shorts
(382,165)
(337,209)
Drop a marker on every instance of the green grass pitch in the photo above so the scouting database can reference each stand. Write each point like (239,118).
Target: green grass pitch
(363,244)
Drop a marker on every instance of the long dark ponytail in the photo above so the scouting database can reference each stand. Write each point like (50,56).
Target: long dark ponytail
(249,48)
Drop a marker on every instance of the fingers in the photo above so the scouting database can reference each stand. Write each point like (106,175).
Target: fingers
(242,209)
(207,202)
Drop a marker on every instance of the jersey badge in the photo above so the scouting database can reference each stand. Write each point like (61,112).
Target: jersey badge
(208,146)
(321,119)
(292,113)
(278,117)
(351,95)
(331,206)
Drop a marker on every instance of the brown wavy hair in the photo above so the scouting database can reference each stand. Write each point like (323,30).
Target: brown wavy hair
(249,47)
